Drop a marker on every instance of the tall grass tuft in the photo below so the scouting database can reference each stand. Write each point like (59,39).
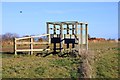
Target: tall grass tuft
(86,65)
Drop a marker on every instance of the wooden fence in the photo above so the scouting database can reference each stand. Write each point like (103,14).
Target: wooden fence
(31,43)
(62,33)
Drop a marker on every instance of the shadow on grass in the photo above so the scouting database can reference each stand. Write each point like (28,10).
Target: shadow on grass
(11,54)
(72,54)
(59,54)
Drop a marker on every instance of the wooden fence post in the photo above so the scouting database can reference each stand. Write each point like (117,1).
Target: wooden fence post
(86,32)
(31,46)
(15,46)
(81,36)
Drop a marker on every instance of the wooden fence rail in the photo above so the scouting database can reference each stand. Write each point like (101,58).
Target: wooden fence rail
(31,43)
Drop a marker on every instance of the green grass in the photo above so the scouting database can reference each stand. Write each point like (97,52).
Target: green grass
(39,67)
(106,59)
(22,66)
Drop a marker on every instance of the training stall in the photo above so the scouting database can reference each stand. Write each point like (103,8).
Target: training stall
(61,36)
(68,32)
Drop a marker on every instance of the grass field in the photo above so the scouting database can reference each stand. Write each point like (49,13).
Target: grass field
(106,59)
(36,67)
(105,64)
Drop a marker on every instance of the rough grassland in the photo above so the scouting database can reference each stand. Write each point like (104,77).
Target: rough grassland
(106,59)
(37,67)
(105,64)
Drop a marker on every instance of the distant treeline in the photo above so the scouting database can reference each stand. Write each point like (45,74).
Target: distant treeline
(11,36)
(95,38)
(8,36)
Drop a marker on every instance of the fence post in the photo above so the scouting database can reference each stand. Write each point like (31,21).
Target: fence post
(15,46)
(86,25)
(81,35)
(31,46)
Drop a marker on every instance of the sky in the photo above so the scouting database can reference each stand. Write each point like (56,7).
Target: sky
(102,17)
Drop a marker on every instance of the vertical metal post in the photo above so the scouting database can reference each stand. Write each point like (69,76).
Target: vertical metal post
(86,32)
(15,46)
